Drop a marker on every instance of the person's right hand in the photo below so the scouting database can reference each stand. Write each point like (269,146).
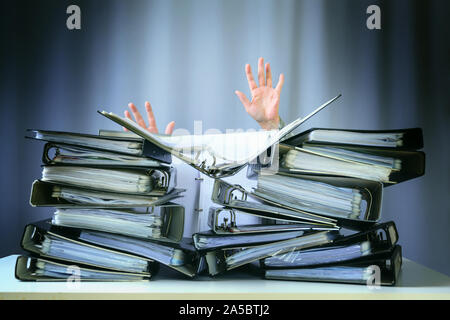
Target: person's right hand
(265,99)
(151,119)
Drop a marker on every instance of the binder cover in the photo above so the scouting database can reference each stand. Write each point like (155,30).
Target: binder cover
(25,270)
(372,191)
(165,179)
(381,237)
(412,138)
(389,265)
(269,224)
(34,233)
(225,258)
(236,197)
(147,148)
(172,228)
(50,146)
(242,240)
(41,196)
(413,162)
(191,261)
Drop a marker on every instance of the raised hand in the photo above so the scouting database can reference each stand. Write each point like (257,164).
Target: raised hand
(265,100)
(151,119)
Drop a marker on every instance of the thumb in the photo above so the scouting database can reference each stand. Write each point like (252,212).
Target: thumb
(243,99)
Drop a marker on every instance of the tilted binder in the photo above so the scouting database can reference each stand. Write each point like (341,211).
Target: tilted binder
(234,196)
(65,154)
(387,265)
(141,147)
(208,240)
(35,233)
(228,258)
(412,161)
(223,221)
(171,214)
(44,194)
(383,236)
(164,180)
(412,138)
(179,256)
(27,269)
(373,243)
(184,256)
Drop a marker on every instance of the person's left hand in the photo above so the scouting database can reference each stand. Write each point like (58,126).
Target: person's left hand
(265,99)
(151,119)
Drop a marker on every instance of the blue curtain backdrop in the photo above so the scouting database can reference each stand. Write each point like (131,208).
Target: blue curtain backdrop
(187,58)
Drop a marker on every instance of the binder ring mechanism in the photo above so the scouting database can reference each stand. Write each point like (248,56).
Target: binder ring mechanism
(229,193)
(162,178)
(224,225)
(203,160)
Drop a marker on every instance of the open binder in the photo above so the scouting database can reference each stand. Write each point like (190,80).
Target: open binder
(217,155)
(125,145)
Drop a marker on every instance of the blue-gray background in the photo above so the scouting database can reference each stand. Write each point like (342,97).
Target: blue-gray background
(187,58)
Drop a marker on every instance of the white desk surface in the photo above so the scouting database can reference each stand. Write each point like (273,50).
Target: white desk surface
(416,282)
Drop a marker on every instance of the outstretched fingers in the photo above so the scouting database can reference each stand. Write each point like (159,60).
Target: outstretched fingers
(268,76)
(261,77)
(280,84)
(251,81)
(151,118)
(137,116)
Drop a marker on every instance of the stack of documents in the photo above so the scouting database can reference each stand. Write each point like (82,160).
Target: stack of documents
(318,223)
(315,203)
(340,174)
(370,257)
(111,195)
(107,170)
(388,156)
